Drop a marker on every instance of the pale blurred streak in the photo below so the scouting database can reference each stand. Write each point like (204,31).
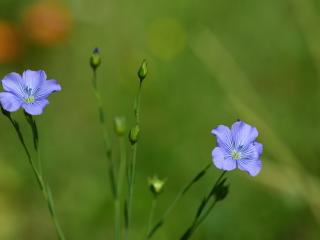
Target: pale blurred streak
(308,20)
(285,174)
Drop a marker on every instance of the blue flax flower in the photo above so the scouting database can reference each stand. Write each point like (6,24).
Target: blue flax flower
(29,91)
(237,147)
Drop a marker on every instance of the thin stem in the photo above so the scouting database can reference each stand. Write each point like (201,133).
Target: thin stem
(208,198)
(120,187)
(200,217)
(138,102)
(47,193)
(132,168)
(131,186)
(205,215)
(106,140)
(43,187)
(153,207)
(30,160)
(220,177)
(107,147)
(181,193)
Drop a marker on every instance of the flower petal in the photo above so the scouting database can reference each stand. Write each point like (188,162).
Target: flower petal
(10,102)
(243,133)
(33,79)
(250,166)
(221,161)
(259,147)
(48,87)
(249,152)
(13,83)
(35,108)
(224,137)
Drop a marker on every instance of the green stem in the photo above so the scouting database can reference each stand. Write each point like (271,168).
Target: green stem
(132,169)
(131,187)
(120,188)
(196,221)
(106,140)
(43,187)
(200,217)
(137,106)
(205,215)
(181,193)
(107,146)
(153,207)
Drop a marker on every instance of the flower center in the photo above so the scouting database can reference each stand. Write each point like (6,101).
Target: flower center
(235,155)
(29,99)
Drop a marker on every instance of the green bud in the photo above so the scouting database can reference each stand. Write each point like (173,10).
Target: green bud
(156,185)
(134,134)
(220,191)
(95,59)
(143,70)
(120,125)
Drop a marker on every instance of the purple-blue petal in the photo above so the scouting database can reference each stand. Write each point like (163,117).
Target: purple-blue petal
(33,79)
(48,87)
(243,133)
(35,108)
(13,83)
(249,152)
(221,161)
(224,137)
(250,166)
(259,147)
(10,102)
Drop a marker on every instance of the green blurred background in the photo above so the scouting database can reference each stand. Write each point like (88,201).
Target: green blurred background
(210,62)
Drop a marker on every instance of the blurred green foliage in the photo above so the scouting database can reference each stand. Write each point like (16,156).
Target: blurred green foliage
(265,71)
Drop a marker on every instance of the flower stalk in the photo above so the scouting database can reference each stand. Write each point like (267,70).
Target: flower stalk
(120,129)
(181,193)
(153,207)
(133,138)
(218,193)
(95,62)
(44,187)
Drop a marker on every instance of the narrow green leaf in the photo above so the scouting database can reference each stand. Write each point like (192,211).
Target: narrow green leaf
(154,229)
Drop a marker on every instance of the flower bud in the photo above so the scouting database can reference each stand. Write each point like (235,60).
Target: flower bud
(220,191)
(156,185)
(134,134)
(143,70)
(95,59)
(120,125)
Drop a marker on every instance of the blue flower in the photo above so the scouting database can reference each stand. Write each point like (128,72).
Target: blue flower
(29,91)
(237,148)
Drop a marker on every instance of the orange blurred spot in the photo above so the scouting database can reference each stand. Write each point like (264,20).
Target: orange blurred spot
(47,24)
(10,47)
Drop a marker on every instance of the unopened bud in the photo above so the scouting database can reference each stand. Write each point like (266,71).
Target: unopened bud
(143,70)
(156,185)
(221,190)
(120,125)
(95,59)
(134,134)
